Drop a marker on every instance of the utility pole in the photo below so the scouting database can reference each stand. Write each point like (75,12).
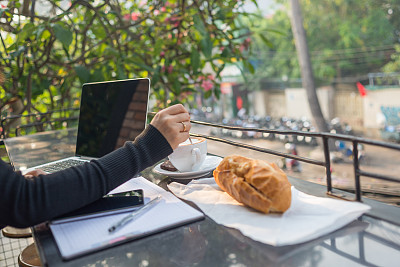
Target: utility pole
(305,65)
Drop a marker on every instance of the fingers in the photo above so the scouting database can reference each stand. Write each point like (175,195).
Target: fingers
(34,173)
(176,109)
(173,123)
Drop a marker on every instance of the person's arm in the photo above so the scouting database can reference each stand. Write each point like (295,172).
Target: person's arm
(26,202)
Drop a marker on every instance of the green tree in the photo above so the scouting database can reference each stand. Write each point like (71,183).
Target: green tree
(46,57)
(394,65)
(346,38)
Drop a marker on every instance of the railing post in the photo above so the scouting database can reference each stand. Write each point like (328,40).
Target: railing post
(327,164)
(356,171)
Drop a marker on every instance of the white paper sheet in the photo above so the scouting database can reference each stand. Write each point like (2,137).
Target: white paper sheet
(308,217)
(80,237)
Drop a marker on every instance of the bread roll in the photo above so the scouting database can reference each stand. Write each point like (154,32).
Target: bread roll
(255,183)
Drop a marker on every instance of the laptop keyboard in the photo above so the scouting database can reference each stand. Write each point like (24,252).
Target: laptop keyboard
(58,166)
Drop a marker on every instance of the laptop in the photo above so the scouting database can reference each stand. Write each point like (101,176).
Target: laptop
(111,113)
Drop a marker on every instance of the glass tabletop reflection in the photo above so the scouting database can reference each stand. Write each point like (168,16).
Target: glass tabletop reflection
(31,150)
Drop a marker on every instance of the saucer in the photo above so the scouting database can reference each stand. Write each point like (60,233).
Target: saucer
(209,164)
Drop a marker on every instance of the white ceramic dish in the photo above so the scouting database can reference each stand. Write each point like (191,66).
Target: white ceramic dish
(209,164)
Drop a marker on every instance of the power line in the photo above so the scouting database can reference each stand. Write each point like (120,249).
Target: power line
(338,51)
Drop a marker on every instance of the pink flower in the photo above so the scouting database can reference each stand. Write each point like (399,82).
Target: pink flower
(207,85)
(127,17)
(168,69)
(206,82)
(163,9)
(135,16)
(162,54)
(156,12)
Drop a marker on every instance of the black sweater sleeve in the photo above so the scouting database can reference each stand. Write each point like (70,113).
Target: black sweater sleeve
(26,202)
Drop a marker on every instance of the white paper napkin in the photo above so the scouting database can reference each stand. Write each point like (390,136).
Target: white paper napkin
(308,217)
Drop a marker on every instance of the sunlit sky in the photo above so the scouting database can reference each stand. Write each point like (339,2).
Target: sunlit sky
(266,6)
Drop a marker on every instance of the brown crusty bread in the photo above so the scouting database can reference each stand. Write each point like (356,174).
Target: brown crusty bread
(255,183)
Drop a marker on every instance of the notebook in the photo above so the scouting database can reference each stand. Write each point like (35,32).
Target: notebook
(111,113)
(107,205)
(84,236)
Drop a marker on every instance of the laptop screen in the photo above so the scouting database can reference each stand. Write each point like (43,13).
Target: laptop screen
(111,113)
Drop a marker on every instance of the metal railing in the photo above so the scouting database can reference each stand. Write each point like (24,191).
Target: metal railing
(325,137)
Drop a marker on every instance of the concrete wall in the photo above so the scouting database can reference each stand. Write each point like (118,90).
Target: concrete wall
(268,103)
(276,104)
(381,106)
(348,106)
(297,103)
(260,103)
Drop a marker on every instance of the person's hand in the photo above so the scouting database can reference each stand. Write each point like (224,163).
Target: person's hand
(34,173)
(174,124)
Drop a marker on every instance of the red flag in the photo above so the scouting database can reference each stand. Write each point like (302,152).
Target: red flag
(239,102)
(361,89)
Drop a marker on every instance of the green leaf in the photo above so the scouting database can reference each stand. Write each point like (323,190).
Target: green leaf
(99,32)
(266,41)
(158,46)
(206,46)
(121,72)
(39,31)
(217,91)
(62,34)
(195,60)
(248,66)
(156,76)
(110,51)
(199,25)
(97,76)
(144,66)
(39,87)
(276,31)
(46,34)
(177,87)
(83,73)
(26,31)
(226,53)
(243,74)
(189,89)
(221,68)
(255,3)
(207,94)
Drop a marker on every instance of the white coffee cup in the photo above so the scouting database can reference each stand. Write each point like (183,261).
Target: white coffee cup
(189,157)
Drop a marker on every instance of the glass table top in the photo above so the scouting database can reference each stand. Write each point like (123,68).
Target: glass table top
(370,241)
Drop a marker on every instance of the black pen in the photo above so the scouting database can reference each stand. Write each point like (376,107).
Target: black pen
(134,214)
